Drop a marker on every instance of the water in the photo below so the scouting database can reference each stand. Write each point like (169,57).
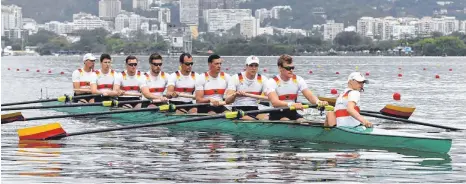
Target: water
(160,155)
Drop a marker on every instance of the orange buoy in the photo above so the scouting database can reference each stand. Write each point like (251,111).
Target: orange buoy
(310,71)
(437,76)
(265,69)
(37,70)
(451,69)
(62,73)
(337,73)
(424,69)
(27,70)
(17,69)
(400,75)
(333,91)
(227,69)
(50,71)
(367,73)
(399,68)
(396,96)
(9,68)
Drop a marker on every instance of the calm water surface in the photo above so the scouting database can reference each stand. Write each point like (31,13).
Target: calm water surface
(161,155)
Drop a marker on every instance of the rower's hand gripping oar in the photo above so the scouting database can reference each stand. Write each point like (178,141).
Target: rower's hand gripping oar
(64,98)
(55,131)
(20,117)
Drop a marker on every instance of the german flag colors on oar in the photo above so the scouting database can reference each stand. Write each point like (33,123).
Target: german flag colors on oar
(64,98)
(388,110)
(19,116)
(55,131)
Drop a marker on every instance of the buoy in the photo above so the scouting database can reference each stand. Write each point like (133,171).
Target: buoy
(50,71)
(367,73)
(37,70)
(337,73)
(424,69)
(62,73)
(17,69)
(396,96)
(265,69)
(437,76)
(451,69)
(310,71)
(333,91)
(27,70)
(400,75)
(9,68)
(357,67)
(399,68)
(227,69)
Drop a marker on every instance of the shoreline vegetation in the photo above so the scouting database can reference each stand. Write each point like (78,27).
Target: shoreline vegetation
(233,44)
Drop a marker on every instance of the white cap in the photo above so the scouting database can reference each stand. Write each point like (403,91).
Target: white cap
(358,77)
(252,59)
(89,56)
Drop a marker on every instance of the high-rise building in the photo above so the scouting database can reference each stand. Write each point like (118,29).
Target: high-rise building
(12,18)
(189,12)
(88,21)
(164,15)
(331,29)
(109,9)
(225,19)
(262,14)
(141,4)
(249,27)
(121,22)
(463,26)
(134,22)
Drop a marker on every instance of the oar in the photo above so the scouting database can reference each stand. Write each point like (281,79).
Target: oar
(19,116)
(111,103)
(409,121)
(55,131)
(63,98)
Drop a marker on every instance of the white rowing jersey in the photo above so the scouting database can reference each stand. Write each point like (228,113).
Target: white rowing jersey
(256,86)
(287,91)
(341,106)
(184,84)
(213,87)
(156,84)
(130,84)
(84,78)
(105,81)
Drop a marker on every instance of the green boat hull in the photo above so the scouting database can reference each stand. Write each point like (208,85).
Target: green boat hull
(290,130)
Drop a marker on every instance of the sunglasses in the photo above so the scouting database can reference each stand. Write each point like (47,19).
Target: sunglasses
(289,68)
(188,63)
(254,65)
(132,64)
(157,64)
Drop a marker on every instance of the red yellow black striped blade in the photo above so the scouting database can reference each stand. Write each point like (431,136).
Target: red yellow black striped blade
(41,132)
(12,117)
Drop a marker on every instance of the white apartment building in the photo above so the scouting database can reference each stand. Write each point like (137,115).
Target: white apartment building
(30,25)
(445,25)
(164,15)
(141,4)
(189,12)
(249,27)
(403,31)
(331,29)
(134,22)
(463,26)
(276,10)
(262,14)
(121,22)
(265,31)
(109,9)
(12,18)
(88,21)
(224,19)
(60,27)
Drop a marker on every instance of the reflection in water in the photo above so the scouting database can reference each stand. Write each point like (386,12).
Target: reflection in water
(40,157)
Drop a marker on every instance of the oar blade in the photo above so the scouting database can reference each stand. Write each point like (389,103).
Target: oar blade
(397,111)
(41,132)
(12,117)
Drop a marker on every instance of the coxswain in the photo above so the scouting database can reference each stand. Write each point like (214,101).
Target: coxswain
(82,78)
(346,111)
(246,88)
(284,88)
(211,87)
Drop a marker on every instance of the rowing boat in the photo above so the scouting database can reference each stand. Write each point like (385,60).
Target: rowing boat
(290,130)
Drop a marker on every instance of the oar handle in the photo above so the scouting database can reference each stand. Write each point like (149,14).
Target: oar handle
(61,99)
(409,121)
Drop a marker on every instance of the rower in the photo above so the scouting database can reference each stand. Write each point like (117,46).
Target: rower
(245,88)
(181,85)
(211,86)
(82,78)
(346,112)
(284,88)
(104,79)
(129,82)
(155,83)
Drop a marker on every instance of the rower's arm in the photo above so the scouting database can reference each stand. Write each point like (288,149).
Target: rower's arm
(276,102)
(310,97)
(231,96)
(170,91)
(200,97)
(355,114)
(94,89)
(146,93)
(260,97)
